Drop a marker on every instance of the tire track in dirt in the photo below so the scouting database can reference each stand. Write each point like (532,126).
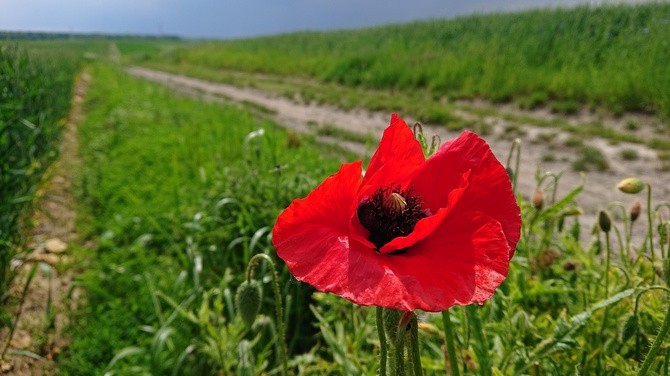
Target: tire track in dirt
(599,189)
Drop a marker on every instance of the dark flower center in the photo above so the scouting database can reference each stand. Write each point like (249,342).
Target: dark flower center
(389,213)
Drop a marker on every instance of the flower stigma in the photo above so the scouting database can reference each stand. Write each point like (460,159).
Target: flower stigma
(389,213)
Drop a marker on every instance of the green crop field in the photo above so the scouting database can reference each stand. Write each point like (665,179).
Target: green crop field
(612,56)
(34,100)
(175,270)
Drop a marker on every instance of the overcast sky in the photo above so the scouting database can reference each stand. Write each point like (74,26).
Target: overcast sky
(236,18)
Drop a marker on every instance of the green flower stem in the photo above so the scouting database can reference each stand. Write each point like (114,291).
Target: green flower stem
(626,219)
(607,278)
(382,341)
(651,233)
(398,368)
(255,260)
(608,261)
(414,353)
(449,336)
(660,337)
(516,146)
(481,347)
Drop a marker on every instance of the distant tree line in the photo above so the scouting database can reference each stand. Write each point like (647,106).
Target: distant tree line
(37,35)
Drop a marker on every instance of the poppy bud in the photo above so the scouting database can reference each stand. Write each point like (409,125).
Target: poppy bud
(569,266)
(248,300)
(630,185)
(544,260)
(394,203)
(538,198)
(571,211)
(635,211)
(604,221)
(630,328)
(663,231)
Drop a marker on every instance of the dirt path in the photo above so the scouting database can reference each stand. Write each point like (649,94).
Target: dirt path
(43,314)
(543,145)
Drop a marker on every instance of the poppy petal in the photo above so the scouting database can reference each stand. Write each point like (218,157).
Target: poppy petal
(309,227)
(458,265)
(398,156)
(462,262)
(489,191)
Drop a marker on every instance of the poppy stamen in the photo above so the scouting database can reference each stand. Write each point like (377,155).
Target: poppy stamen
(389,213)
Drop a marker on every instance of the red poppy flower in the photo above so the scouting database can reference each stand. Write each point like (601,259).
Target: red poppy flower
(412,233)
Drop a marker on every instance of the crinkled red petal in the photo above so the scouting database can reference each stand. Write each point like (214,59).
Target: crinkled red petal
(308,232)
(489,189)
(460,263)
(398,156)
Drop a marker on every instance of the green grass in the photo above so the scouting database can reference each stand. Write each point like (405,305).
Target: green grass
(611,56)
(342,134)
(165,179)
(590,158)
(177,195)
(628,154)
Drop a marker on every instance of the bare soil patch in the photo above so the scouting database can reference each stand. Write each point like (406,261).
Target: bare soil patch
(39,336)
(544,148)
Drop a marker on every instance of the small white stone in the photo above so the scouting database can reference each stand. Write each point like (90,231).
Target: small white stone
(55,245)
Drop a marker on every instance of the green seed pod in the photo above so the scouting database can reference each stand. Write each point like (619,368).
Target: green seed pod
(631,185)
(604,221)
(394,203)
(248,301)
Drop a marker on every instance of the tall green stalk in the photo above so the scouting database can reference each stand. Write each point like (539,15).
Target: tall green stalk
(382,341)
(650,233)
(481,347)
(449,337)
(278,305)
(414,352)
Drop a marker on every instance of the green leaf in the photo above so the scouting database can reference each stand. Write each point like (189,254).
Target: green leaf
(559,205)
(564,330)
(124,353)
